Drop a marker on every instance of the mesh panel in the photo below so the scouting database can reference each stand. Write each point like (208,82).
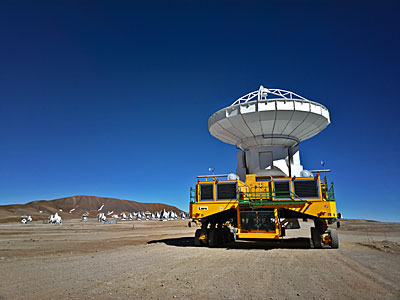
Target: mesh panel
(263,178)
(226,191)
(206,192)
(306,188)
(282,189)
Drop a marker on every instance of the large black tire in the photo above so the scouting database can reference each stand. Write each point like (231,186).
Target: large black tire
(225,235)
(205,231)
(334,239)
(316,238)
(196,237)
(220,239)
(338,224)
(211,237)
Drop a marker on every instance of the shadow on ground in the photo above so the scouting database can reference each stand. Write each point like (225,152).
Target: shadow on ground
(295,243)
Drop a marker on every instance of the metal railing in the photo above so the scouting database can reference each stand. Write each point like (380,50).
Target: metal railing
(262,197)
(267,197)
(330,193)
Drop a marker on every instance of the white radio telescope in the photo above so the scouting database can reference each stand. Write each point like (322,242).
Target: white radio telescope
(267,125)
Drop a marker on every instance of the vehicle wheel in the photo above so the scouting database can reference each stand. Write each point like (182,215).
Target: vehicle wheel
(196,237)
(226,235)
(219,237)
(334,239)
(229,237)
(189,224)
(338,224)
(211,237)
(316,238)
(207,233)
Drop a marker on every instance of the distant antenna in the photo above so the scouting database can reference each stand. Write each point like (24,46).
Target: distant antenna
(211,170)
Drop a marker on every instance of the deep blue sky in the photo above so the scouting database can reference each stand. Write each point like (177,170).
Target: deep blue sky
(112,98)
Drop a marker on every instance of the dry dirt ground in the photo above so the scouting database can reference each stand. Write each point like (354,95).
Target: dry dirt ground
(157,260)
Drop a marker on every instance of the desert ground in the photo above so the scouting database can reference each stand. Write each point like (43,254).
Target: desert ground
(158,260)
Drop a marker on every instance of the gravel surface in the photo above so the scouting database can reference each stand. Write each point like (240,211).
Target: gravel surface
(157,260)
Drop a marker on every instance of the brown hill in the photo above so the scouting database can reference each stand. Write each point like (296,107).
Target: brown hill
(41,209)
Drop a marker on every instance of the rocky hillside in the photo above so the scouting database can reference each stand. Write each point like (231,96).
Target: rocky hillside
(73,207)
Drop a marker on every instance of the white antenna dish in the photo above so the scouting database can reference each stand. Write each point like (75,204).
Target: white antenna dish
(268,117)
(266,124)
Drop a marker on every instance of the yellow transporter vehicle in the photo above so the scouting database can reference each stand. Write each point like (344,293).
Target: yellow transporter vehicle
(260,207)
(270,190)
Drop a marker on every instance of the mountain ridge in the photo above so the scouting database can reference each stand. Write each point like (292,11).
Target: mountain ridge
(41,209)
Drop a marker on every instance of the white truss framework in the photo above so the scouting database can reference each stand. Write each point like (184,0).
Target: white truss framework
(262,94)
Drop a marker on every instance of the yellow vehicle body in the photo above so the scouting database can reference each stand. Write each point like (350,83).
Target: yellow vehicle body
(259,197)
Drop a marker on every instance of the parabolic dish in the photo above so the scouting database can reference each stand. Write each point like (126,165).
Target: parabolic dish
(268,117)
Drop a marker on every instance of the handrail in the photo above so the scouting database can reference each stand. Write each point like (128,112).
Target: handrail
(330,193)
(247,194)
(320,171)
(267,196)
(208,176)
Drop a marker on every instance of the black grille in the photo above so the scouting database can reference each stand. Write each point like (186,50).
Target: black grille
(263,178)
(282,189)
(306,188)
(206,192)
(226,191)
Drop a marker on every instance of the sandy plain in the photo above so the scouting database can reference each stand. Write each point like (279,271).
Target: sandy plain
(157,260)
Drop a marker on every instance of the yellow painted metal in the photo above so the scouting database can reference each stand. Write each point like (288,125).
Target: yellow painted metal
(319,207)
(322,209)
(207,208)
(260,234)
(203,209)
(203,237)
(326,238)
(257,235)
